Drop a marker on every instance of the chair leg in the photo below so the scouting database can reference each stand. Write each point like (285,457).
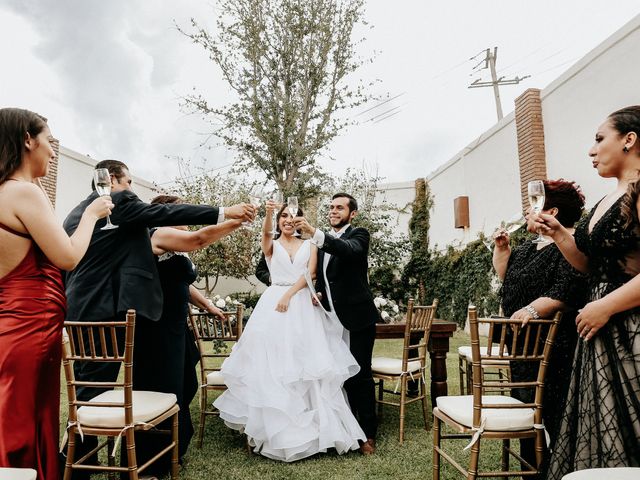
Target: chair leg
(472,474)
(506,444)
(461,371)
(174,452)
(403,406)
(131,454)
(436,443)
(71,451)
(111,460)
(469,378)
(425,407)
(203,408)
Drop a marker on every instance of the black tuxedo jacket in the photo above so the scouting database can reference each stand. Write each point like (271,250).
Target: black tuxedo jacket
(347,277)
(119,271)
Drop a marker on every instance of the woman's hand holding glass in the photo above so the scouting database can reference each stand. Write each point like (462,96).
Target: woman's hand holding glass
(100,208)
(544,224)
(500,238)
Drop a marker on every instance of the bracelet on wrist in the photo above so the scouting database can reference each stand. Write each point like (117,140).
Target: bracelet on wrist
(532,311)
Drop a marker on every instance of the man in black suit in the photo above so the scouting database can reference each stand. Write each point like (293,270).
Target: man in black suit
(262,271)
(118,271)
(343,287)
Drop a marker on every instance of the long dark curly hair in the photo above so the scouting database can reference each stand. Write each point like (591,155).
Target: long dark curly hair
(624,121)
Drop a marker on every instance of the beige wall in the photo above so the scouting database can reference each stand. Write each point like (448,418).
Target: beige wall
(573,106)
(75,172)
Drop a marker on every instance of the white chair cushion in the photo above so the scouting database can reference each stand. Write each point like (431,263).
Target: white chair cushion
(621,473)
(460,409)
(215,378)
(465,351)
(17,474)
(392,366)
(146,406)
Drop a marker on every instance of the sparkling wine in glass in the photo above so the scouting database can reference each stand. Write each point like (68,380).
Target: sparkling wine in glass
(279,199)
(102,181)
(292,206)
(255,199)
(536,200)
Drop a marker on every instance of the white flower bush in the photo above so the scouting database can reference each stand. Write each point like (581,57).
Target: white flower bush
(226,303)
(389,310)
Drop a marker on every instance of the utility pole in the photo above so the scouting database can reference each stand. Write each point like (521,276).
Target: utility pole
(490,62)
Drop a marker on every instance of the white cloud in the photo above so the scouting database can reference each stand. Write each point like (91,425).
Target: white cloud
(109,75)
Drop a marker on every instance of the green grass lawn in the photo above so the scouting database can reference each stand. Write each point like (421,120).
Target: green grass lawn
(224,455)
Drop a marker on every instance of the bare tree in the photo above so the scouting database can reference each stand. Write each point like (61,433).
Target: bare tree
(288,62)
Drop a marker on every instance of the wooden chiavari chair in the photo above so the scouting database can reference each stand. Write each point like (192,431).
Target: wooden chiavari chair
(411,366)
(119,411)
(479,417)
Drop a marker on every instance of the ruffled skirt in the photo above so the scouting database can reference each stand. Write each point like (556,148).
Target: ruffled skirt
(285,378)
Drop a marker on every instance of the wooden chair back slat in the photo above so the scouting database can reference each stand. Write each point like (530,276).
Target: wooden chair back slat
(419,320)
(81,345)
(538,350)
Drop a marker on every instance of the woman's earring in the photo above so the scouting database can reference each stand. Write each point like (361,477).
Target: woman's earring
(625,149)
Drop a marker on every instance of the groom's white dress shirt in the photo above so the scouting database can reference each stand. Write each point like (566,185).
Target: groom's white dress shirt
(318,240)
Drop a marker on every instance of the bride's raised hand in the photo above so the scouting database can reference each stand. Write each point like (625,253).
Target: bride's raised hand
(283,303)
(272,206)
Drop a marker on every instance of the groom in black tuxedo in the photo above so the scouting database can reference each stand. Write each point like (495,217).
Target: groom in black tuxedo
(343,287)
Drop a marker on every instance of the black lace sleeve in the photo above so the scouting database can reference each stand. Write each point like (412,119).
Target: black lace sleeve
(568,285)
(581,234)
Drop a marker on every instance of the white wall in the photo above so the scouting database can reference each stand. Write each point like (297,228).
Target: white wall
(573,106)
(75,172)
(487,172)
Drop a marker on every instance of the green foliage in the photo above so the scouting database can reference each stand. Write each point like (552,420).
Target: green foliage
(417,267)
(235,254)
(457,277)
(388,247)
(287,62)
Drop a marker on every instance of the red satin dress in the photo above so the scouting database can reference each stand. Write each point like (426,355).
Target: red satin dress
(32,309)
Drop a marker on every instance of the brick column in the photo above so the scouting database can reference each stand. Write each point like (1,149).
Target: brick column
(50,182)
(530,132)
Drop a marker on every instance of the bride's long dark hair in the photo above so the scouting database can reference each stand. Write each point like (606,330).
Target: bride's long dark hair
(300,213)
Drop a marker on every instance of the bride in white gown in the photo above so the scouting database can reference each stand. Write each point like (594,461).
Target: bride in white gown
(285,375)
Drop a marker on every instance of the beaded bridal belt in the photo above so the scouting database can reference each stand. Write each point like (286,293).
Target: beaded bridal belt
(282,284)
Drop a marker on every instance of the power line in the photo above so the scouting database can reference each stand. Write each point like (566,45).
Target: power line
(388,116)
(196,174)
(490,63)
(383,113)
(380,104)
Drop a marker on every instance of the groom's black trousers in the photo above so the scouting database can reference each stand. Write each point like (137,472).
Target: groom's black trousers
(360,388)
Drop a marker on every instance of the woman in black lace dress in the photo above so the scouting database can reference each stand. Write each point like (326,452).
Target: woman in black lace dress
(538,282)
(600,426)
(165,351)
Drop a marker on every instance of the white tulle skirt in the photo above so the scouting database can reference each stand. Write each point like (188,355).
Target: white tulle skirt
(285,378)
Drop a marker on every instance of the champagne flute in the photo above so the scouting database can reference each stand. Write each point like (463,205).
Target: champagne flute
(255,198)
(535,189)
(512,225)
(292,206)
(279,199)
(102,181)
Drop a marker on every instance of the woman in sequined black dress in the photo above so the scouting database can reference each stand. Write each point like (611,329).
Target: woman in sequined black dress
(600,426)
(537,280)
(165,354)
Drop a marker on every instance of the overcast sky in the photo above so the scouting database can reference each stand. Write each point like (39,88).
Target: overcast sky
(109,75)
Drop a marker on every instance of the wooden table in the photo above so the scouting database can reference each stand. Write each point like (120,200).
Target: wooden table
(441,332)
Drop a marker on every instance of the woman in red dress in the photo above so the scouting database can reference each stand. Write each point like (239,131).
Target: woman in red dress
(33,249)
